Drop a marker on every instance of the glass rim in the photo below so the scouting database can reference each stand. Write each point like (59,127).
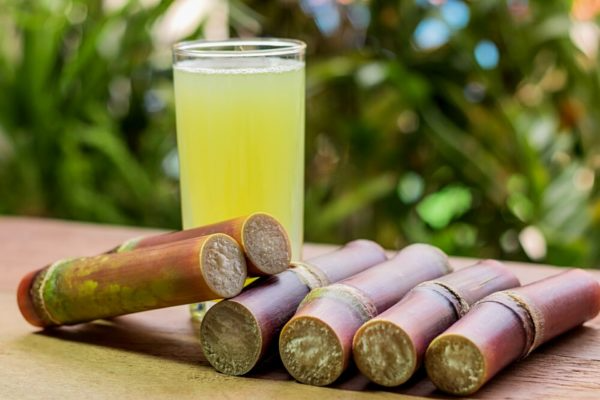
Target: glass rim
(206,48)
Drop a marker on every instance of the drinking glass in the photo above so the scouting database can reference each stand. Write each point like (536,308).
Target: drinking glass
(240,130)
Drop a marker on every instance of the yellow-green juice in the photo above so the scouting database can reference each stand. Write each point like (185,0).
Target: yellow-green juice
(240,133)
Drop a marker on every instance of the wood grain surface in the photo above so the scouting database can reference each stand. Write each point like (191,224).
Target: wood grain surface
(156,354)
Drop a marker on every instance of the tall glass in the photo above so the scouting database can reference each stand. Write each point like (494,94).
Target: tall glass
(240,130)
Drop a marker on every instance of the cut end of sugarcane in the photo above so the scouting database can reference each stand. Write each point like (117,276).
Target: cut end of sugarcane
(266,244)
(384,353)
(223,265)
(230,337)
(311,351)
(455,365)
(26,301)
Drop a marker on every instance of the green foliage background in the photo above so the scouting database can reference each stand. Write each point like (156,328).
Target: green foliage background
(403,144)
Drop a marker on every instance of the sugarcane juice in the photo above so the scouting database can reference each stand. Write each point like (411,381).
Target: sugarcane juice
(240,134)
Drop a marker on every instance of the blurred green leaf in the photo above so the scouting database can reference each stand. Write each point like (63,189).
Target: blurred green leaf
(352,201)
(438,209)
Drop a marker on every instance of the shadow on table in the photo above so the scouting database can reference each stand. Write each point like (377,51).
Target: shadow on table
(170,334)
(166,333)
(272,368)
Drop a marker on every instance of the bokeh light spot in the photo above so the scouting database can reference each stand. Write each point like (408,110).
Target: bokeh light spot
(456,14)
(431,33)
(487,54)
(410,187)
(359,15)
(325,13)
(533,242)
(371,74)
(474,92)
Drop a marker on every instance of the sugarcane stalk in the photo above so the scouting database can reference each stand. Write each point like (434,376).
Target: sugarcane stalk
(263,239)
(315,345)
(507,326)
(389,348)
(88,288)
(235,334)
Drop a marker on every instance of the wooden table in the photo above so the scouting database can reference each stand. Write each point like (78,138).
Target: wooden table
(156,354)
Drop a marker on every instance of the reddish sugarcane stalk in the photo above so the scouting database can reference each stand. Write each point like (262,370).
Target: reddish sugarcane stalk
(263,239)
(507,326)
(236,333)
(315,345)
(389,348)
(88,288)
